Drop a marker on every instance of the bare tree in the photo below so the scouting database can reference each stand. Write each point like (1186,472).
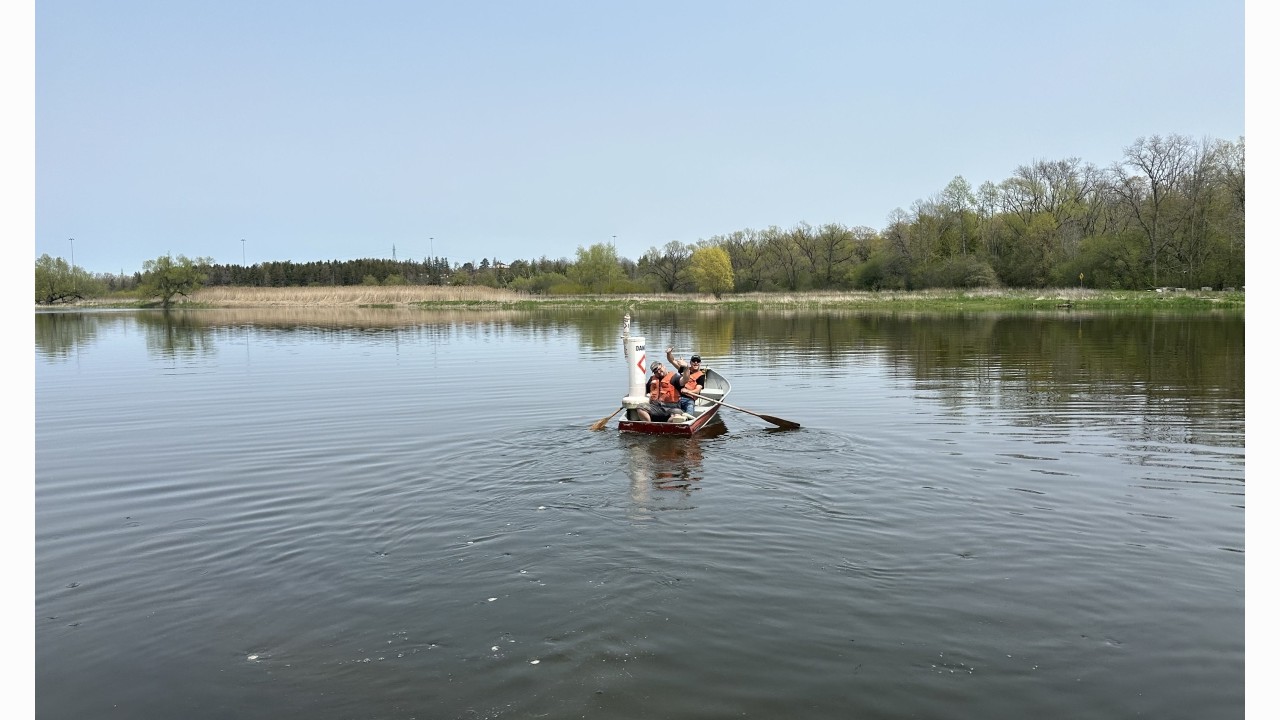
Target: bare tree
(1232,158)
(1067,185)
(835,250)
(934,228)
(745,255)
(1207,213)
(898,232)
(1145,182)
(988,204)
(862,240)
(668,264)
(781,248)
(805,241)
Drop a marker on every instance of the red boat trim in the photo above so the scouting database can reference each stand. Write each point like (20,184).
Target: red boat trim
(666,428)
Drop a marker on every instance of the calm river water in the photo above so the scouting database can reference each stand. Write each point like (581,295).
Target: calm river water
(402,514)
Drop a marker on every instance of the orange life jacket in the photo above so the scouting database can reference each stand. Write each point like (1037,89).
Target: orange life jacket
(695,378)
(662,390)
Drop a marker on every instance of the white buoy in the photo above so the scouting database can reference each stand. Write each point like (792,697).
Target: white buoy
(633,348)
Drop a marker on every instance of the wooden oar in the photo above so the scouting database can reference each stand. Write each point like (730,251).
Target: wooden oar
(599,424)
(767,418)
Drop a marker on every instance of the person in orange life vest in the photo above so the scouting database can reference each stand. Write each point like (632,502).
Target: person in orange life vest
(664,395)
(692,378)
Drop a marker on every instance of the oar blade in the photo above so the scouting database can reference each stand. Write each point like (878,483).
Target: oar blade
(780,422)
(604,421)
(785,424)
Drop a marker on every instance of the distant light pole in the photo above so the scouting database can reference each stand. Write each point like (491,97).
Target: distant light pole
(242,256)
(74,284)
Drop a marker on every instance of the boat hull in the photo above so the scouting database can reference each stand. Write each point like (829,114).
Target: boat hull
(686,428)
(715,385)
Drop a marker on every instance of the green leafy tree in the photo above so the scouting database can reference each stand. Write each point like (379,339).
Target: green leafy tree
(1109,261)
(597,268)
(959,271)
(56,281)
(540,284)
(886,269)
(486,277)
(712,270)
(167,277)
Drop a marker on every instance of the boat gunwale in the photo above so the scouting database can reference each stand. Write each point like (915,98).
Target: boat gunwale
(687,428)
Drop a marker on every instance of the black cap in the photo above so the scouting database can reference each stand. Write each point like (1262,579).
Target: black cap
(696,358)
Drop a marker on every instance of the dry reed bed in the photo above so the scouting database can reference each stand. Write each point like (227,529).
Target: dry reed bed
(341,316)
(354,295)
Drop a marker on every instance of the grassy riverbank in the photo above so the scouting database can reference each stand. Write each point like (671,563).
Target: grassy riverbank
(428,297)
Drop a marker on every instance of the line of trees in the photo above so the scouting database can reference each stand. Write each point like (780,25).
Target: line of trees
(1169,213)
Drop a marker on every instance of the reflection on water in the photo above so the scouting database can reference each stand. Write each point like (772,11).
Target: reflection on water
(172,335)
(59,334)
(1100,354)
(666,469)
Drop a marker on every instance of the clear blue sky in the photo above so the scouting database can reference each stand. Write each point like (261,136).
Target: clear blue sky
(322,130)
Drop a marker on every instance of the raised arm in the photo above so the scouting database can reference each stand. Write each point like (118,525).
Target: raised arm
(677,362)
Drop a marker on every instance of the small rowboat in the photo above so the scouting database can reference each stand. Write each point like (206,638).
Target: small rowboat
(707,402)
(706,406)
(715,387)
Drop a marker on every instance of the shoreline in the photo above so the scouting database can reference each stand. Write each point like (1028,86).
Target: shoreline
(460,298)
